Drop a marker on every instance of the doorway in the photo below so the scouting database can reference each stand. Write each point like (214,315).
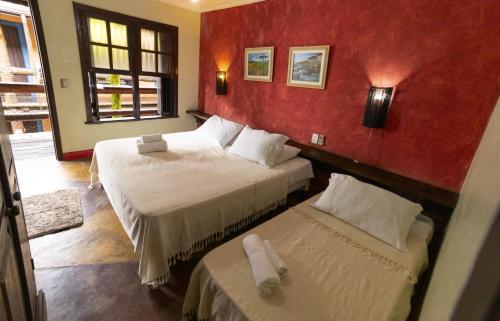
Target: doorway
(25,86)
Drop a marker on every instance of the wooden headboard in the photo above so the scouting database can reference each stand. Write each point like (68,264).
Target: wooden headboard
(438,203)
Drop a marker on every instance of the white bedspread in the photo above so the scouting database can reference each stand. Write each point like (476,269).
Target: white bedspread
(173,204)
(336,272)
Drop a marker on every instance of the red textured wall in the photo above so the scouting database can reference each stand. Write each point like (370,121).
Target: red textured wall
(443,56)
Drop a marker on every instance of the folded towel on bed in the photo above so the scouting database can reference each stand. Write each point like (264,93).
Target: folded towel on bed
(151,138)
(276,261)
(264,275)
(144,148)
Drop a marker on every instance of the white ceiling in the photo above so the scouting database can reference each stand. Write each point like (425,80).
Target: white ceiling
(208,5)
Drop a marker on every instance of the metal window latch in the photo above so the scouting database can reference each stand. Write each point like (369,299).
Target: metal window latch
(13,211)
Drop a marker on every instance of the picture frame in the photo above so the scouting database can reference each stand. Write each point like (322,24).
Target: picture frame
(307,66)
(259,64)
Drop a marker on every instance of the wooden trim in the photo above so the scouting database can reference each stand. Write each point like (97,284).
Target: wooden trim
(45,115)
(26,116)
(70,156)
(390,180)
(127,119)
(121,90)
(49,88)
(133,33)
(199,115)
(14,87)
(268,78)
(322,81)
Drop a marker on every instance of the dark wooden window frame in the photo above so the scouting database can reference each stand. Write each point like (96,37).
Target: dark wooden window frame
(169,82)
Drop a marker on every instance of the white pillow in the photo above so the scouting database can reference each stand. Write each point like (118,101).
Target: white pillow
(288,152)
(258,146)
(219,131)
(374,210)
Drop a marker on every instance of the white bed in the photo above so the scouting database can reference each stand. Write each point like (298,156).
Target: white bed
(174,204)
(336,272)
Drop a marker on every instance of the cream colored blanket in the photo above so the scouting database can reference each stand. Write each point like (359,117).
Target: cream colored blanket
(174,203)
(335,272)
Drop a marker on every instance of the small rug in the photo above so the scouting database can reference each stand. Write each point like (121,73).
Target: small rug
(52,212)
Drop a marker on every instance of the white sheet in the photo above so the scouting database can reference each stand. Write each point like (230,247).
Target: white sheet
(175,203)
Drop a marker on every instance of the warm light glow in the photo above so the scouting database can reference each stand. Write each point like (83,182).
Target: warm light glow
(194,1)
(221,75)
(98,31)
(379,94)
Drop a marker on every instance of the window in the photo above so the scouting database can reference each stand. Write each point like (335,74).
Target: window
(129,66)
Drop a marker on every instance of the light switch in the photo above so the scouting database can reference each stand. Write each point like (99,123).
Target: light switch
(318,139)
(64,82)
(314,138)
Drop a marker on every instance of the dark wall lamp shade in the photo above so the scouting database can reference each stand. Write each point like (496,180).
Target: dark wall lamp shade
(220,83)
(377,107)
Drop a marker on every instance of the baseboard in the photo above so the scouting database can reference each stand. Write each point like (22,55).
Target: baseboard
(78,155)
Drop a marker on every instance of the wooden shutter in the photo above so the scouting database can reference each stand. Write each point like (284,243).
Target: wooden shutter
(14,48)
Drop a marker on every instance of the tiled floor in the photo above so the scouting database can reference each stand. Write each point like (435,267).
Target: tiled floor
(90,272)
(32,145)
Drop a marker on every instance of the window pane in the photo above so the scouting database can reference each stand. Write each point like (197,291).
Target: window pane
(148,61)
(148,88)
(114,93)
(164,64)
(98,30)
(100,56)
(164,42)
(120,58)
(147,39)
(118,34)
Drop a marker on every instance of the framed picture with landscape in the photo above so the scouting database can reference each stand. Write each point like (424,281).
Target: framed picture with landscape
(259,64)
(307,66)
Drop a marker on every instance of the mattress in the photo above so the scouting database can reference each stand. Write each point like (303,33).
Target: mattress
(336,272)
(299,171)
(175,203)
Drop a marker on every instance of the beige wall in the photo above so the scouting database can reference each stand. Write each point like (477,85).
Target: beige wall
(62,46)
(479,197)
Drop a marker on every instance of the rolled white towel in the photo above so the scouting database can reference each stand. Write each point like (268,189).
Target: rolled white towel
(264,275)
(144,148)
(151,138)
(276,261)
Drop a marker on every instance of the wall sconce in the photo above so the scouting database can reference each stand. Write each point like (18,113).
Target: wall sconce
(379,101)
(220,83)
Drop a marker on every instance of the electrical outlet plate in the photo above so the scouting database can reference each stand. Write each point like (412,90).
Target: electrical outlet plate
(321,140)
(64,82)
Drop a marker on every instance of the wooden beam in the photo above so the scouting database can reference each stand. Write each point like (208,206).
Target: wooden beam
(393,181)
(198,115)
(19,87)
(26,116)
(121,90)
(45,115)
(390,180)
